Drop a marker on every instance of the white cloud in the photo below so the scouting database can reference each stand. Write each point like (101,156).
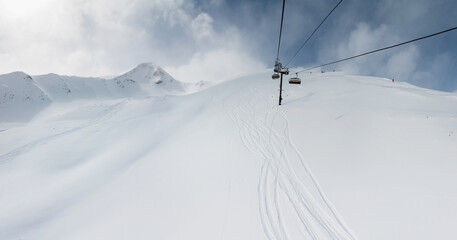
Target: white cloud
(202,26)
(363,39)
(437,76)
(360,40)
(216,66)
(399,63)
(402,65)
(46,35)
(105,37)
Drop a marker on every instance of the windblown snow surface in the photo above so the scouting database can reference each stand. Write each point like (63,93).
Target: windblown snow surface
(144,156)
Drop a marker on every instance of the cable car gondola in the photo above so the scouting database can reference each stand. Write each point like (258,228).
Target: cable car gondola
(295,80)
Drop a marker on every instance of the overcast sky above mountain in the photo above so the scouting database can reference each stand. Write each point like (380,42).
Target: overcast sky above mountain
(218,39)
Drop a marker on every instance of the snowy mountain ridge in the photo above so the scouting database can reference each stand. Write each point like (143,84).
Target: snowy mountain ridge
(36,92)
(21,96)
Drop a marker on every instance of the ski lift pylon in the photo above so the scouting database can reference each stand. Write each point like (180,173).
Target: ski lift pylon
(295,80)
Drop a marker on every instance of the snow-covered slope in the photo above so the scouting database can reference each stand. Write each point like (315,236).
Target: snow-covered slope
(20,96)
(67,88)
(344,157)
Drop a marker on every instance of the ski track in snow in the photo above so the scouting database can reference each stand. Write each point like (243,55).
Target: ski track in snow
(278,179)
(107,113)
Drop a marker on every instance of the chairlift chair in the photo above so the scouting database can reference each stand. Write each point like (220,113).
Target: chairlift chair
(295,80)
(275,76)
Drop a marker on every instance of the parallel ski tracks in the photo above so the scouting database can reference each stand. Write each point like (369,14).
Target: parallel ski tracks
(278,179)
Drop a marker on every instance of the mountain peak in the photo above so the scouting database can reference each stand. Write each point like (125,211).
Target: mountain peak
(18,74)
(151,74)
(147,65)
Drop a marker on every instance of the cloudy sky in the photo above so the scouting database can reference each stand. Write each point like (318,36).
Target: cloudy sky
(219,39)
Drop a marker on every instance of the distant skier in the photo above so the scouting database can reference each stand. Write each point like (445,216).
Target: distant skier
(393,80)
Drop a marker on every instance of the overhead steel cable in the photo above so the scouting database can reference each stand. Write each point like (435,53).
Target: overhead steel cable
(378,50)
(280,29)
(287,64)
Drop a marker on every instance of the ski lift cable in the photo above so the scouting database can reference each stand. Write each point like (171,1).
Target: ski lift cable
(378,50)
(287,64)
(280,29)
